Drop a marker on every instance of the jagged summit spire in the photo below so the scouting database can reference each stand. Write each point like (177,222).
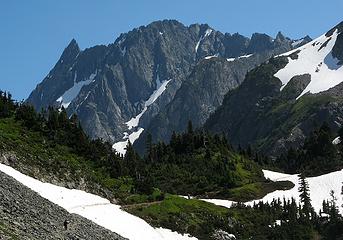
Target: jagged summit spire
(70,52)
(280,36)
(307,38)
(73,44)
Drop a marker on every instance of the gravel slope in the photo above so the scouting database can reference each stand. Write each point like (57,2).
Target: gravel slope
(26,215)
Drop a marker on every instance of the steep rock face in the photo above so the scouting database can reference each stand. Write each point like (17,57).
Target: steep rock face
(337,50)
(283,100)
(110,87)
(204,89)
(48,90)
(106,85)
(260,42)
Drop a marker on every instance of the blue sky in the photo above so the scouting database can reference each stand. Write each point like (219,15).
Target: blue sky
(34,33)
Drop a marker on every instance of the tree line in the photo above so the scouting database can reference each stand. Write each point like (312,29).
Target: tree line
(193,162)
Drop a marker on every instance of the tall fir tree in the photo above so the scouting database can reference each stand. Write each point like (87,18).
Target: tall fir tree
(333,210)
(305,199)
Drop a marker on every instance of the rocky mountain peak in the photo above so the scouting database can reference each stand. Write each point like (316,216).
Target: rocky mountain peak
(70,52)
(260,42)
(165,23)
(280,37)
(73,44)
(118,89)
(307,38)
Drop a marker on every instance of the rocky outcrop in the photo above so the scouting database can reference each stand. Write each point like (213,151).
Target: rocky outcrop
(26,215)
(337,50)
(222,235)
(259,114)
(295,86)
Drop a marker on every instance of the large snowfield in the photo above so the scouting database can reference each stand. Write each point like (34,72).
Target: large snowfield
(96,209)
(320,188)
(314,58)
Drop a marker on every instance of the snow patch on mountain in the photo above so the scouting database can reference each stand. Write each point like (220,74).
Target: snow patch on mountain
(160,88)
(97,209)
(296,43)
(207,33)
(121,48)
(245,56)
(230,59)
(212,56)
(336,141)
(240,57)
(123,51)
(133,123)
(319,186)
(314,58)
(78,105)
(220,202)
(120,147)
(69,95)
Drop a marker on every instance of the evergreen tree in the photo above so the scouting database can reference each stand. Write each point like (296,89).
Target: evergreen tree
(63,118)
(334,213)
(325,207)
(150,148)
(130,160)
(53,122)
(317,156)
(305,197)
(7,105)
(28,115)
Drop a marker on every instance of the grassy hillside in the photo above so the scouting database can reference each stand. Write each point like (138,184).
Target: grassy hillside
(36,155)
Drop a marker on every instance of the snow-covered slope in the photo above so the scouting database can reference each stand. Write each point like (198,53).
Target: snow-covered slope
(96,209)
(336,141)
(320,188)
(72,92)
(316,59)
(207,33)
(133,123)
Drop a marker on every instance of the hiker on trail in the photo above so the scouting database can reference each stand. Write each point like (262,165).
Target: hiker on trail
(66,222)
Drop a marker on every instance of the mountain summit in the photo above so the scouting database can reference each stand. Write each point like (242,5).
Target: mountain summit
(117,90)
